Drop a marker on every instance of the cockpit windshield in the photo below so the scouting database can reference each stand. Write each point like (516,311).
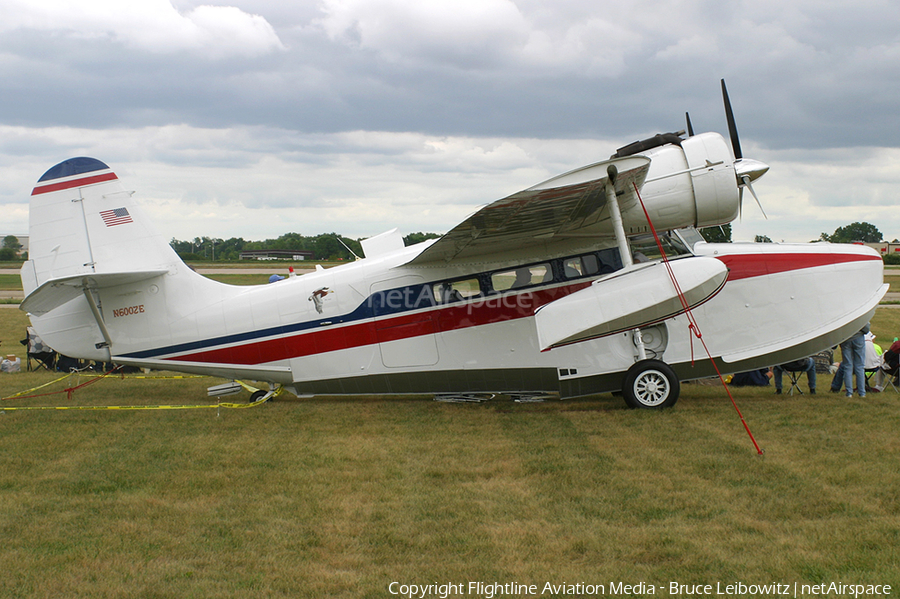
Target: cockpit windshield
(645,249)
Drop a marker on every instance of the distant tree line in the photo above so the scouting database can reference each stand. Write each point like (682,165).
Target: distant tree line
(855,232)
(9,249)
(325,246)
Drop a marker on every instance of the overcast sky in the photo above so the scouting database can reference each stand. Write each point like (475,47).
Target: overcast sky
(254,118)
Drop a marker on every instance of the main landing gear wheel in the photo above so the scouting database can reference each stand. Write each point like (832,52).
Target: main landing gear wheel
(257,395)
(651,384)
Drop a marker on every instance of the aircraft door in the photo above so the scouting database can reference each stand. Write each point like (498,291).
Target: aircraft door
(405,333)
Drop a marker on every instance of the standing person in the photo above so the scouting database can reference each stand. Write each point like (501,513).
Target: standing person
(856,359)
(837,383)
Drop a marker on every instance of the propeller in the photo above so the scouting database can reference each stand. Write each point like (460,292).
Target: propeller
(690,128)
(732,128)
(746,170)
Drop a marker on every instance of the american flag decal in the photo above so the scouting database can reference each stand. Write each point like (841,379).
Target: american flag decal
(117,216)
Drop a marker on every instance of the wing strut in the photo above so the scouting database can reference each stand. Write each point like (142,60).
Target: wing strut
(95,310)
(616,215)
(622,241)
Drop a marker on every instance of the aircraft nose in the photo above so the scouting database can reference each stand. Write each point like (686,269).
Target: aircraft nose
(747,168)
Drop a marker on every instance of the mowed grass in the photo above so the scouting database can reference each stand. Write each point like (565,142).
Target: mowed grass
(10,282)
(335,497)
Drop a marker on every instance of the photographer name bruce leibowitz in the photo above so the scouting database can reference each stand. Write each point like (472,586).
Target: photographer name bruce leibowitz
(490,590)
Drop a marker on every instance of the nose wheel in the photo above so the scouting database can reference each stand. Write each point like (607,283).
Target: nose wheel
(650,384)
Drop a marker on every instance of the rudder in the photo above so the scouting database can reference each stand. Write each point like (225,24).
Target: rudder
(82,221)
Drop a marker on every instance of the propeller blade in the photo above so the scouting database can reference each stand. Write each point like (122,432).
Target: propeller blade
(690,129)
(732,128)
(746,180)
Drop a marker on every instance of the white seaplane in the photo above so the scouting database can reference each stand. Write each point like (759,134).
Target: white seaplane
(550,291)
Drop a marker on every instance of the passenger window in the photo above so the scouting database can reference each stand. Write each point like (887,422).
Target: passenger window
(609,261)
(582,266)
(524,276)
(572,268)
(454,291)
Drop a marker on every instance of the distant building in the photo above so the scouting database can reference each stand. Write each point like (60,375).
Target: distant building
(277,255)
(886,248)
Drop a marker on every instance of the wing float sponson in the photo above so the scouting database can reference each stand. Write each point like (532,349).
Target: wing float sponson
(631,298)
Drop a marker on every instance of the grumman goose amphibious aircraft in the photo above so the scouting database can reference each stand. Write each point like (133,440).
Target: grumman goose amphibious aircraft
(552,290)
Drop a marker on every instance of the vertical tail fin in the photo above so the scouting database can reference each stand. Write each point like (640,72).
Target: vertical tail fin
(83,222)
(92,245)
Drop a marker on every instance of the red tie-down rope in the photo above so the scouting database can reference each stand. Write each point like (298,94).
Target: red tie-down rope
(69,391)
(693,327)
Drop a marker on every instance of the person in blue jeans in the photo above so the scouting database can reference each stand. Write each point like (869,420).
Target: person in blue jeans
(837,383)
(856,360)
(807,365)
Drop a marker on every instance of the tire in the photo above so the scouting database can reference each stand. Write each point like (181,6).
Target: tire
(651,385)
(257,395)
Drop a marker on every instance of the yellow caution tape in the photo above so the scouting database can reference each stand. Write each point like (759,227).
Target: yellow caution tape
(38,387)
(232,406)
(144,376)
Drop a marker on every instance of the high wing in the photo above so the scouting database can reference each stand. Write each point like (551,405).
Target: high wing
(567,205)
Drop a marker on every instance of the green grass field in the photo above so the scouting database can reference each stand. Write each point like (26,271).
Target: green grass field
(10,282)
(336,497)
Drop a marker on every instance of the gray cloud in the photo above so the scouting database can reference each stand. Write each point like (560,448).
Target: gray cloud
(359,95)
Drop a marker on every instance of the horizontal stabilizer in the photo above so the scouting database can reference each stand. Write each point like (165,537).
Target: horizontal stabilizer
(630,298)
(56,292)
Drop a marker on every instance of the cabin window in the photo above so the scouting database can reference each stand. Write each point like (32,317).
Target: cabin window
(524,276)
(610,261)
(455,291)
(581,266)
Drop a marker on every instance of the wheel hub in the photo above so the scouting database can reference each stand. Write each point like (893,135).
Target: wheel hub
(650,388)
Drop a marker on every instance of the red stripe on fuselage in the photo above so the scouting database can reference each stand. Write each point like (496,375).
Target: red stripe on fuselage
(456,316)
(745,266)
(74,183)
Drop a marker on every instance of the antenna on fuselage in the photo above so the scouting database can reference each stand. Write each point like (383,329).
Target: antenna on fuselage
(347,247)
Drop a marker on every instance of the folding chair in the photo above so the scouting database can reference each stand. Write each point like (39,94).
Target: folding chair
(869,372)
(35,348)
(795,370)
(894,380)
(795,375)
(890,369)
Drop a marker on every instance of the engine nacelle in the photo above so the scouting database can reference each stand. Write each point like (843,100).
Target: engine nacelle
(704,193)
